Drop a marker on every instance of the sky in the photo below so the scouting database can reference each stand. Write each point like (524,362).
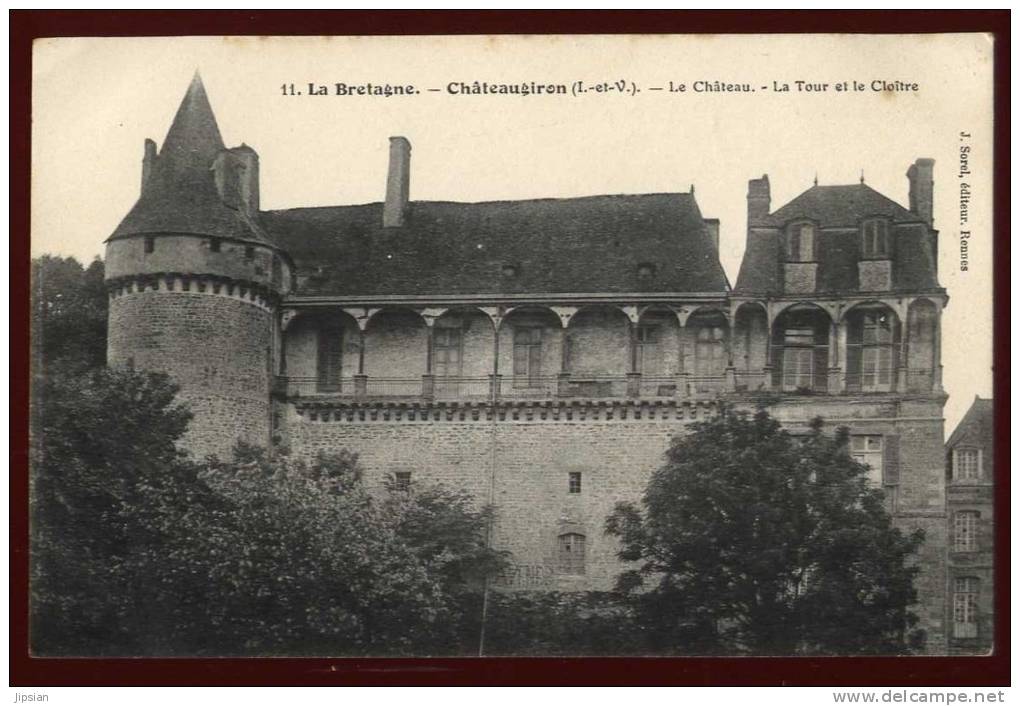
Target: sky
(95,100)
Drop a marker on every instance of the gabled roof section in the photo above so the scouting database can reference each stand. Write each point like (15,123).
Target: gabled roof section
(573,245)
(180,195)
(913,243)
(976,427)
(844,205)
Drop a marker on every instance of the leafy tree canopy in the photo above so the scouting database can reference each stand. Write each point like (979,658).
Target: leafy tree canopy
(752,541)
(69,310)
(139,551)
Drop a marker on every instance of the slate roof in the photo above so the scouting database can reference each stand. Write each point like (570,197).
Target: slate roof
(579,245)
(976,427)
(912,243)
(840,205)
(180,195)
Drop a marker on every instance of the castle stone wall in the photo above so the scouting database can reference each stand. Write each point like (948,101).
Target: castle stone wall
(525,455)
(215,346)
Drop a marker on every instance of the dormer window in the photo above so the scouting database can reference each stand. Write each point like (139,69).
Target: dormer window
(800,243)
(875,235)
(645,270)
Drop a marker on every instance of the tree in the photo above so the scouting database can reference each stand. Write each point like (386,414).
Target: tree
(100,443)
(137,550)
(298,557)
(69,311)
(751,541)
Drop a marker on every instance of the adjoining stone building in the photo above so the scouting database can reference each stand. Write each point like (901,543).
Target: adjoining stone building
(539,354)
(970,495)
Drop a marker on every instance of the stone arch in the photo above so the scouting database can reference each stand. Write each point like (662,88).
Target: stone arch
(800,346)
(657,341)
(801,305)
(750,344)
(395,351)
(319,352)
(462,350)
(873,345)
(706,348)
(530,348)
(870,304)
(598,342)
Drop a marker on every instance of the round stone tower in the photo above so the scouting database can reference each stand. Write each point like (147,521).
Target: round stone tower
(194,281)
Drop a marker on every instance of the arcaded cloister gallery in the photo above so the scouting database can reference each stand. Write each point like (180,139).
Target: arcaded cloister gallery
(543,351)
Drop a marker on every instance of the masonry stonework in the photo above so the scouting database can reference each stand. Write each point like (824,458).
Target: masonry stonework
(215,347)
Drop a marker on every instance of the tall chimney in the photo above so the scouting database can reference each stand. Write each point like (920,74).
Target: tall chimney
(148,161)
(398,183)
(922,186)
(236,171)
(759,200)
(712,228)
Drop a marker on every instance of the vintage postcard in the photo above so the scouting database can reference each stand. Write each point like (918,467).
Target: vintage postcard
(512,346)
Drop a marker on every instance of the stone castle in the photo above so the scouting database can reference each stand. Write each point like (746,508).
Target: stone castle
(538,354)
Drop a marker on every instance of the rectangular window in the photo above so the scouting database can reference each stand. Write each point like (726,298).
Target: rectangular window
(876,369)
(798,368)
(574,482)
(877,359)
(249,253)
(648,355)
(448,345)
(966,464)
(527,356)
(868,449)
(965,526)
(402,481)
(214,244)
(965,597)
(800,243)
(876,239)
(150,244)
(572,554)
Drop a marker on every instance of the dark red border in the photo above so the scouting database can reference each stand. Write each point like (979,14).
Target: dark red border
(942,671)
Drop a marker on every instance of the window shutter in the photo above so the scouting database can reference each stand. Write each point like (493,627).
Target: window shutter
(821,362)
(520,360)
(891,460)
(330,357)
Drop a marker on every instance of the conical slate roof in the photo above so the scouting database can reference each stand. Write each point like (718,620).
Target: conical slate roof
(180,195)
(193,140)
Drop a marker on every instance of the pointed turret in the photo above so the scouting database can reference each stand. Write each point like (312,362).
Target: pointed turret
(195,184)
(195,281)
(194,139)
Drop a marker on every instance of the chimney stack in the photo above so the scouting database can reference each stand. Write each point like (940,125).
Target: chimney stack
(759,200)
(148,161)
(922,186)
(712,228)
(398,183)
(236,171)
